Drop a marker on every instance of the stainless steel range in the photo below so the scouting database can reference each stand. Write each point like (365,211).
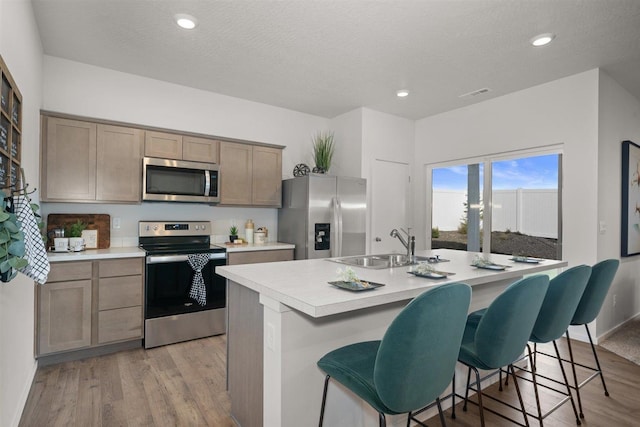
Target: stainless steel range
(184,298)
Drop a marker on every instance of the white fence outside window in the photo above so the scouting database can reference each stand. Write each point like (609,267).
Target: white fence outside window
(533,212)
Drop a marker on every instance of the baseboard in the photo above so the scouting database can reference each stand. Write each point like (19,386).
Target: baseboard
(70,356)
(24,395)
(615,329)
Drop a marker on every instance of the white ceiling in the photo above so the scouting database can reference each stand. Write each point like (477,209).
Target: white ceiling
(327,57)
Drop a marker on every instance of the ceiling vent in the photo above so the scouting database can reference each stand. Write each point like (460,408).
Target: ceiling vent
(475,92)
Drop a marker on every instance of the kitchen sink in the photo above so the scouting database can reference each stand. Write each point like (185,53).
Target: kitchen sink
(379,261)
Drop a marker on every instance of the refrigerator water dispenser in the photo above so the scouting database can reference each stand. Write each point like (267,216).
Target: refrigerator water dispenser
(323,237)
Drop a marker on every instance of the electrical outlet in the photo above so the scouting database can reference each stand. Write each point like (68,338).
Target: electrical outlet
(116,223)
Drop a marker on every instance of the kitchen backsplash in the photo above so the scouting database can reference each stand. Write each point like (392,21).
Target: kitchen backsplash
(222,218)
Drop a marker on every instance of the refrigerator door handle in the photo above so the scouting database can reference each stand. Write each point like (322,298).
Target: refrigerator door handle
(336,226)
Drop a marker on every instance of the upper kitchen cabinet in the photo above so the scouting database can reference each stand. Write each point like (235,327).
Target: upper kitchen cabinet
(90,162)
(166,145)
(119,169)
(200,149)
(251,175)
(163,145)
(267,176)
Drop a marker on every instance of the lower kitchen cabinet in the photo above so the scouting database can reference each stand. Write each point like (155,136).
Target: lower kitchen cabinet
(64,315)
(86,304)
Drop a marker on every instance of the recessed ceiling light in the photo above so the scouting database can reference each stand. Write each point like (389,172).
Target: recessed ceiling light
(542,39)
(185,21)
(402,93)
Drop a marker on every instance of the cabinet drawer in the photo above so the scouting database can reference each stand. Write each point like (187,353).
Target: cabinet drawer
(120,267)
(64,271)
(120,324)
(119,292)
(254,257)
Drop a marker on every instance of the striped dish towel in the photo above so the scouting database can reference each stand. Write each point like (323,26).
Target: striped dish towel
(198,289)
(35,252)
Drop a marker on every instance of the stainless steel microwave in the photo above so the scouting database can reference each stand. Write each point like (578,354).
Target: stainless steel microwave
(180,181)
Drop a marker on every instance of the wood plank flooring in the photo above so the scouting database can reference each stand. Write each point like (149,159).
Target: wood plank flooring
(184,385)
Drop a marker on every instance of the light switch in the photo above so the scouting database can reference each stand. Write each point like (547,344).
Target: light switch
(602,227)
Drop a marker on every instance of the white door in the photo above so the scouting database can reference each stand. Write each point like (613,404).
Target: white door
(389,203)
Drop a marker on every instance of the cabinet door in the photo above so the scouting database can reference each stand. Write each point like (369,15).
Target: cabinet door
(64,316)
(200,149)
(163,145)
(119,167)
(235,173)
(267,176)
(69,160)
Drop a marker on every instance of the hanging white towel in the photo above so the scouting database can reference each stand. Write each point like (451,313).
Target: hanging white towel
(35,252)
(198,289)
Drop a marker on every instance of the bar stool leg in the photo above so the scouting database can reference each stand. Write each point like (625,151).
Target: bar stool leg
(324,399)
(566,382)
(515,383)
(453,396)
(575,377)
(595,356)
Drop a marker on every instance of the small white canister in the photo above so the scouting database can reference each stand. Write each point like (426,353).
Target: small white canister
(260,237)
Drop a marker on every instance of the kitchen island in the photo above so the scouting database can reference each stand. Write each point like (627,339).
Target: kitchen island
(284,316)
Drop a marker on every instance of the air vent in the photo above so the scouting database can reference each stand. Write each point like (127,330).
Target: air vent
(475,92)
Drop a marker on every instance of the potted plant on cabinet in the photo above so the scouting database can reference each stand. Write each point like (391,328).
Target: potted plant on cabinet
(233,233)
(76,242)
(323,147)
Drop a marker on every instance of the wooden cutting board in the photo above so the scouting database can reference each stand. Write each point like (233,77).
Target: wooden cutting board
(100,222)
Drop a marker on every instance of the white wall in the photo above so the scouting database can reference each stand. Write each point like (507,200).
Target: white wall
(347,129)
(619,121)
(563,112)
(80,89)
(21,50)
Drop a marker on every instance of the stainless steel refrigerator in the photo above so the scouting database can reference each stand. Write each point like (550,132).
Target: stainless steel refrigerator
(323,215)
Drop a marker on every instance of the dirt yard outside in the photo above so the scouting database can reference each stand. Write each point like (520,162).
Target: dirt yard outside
(508,243)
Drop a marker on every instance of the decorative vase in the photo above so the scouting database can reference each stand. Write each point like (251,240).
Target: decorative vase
(319,170)
(233,237)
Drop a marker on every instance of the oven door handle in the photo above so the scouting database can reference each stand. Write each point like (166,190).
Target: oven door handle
(165,259)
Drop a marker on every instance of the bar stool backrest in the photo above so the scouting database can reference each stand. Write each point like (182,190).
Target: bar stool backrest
(418,353)
(602,275)
(560,303)
(504,330)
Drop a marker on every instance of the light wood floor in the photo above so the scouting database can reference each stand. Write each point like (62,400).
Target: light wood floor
(184,385)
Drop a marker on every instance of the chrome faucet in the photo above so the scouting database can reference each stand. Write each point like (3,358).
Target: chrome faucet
(409,244)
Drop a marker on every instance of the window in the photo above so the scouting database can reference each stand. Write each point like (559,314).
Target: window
(523,217)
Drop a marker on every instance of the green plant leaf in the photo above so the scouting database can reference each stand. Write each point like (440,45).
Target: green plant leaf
(17,248)
(4,236)
(18,263)
(3,251)
(3,216)
(11,227)
(4,266)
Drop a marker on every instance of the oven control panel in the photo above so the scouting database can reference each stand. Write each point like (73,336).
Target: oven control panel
(184,228)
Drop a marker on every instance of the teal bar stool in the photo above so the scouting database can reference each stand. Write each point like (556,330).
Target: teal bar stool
(497,336)
(559,305)
(602,275)
(413,363)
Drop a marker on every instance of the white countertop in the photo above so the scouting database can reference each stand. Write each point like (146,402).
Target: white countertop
(302,285)
(249,247)
(91,254)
